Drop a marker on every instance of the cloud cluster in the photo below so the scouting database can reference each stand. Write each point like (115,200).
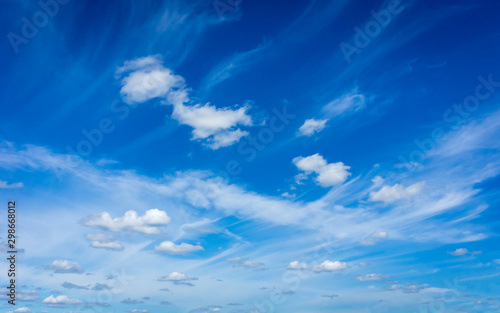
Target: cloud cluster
(145,224)
(328,174)
(147,79)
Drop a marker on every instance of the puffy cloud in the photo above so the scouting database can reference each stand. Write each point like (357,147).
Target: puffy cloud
(296,265)
(397,192)
(312,126)
(65,266)
(6,185)
(104,242)
(330,266)
(178,278)
(145,224)
(463,251)
(172,248)
(327,174)
(148,79)
(370,277)
(60,301)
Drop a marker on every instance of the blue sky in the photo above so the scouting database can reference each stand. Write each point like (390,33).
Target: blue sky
(252,156)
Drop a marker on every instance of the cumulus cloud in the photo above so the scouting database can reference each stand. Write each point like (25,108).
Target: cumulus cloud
(390,194)
(145,224)
(60,301)
(178,278)
(370,277)
(330,266)
(69,285)
(171,248)
(328,174)
(296,265)
(131,301)
(463,251)
(103,241)
(312,126)
(65,266)
(147,79)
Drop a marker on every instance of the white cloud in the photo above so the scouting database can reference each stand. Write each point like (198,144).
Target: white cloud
(20,310)
(172,248)
(145,224)
(296,265)
(327,174)
(238,261)
(350,102)
(463,251)
(312,126)
(65,266)
(103,241)
(148,79)
(397,192)
(138,311)
(6,185)
(371,277)
(330,266)
(60,301)
(379,235)
(177,278)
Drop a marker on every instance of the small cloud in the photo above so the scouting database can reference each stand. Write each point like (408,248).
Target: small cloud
(60,301)
(5,185)
(65,266)
(379,235)
(328,174)
(171,248)
(131,301)
(463,251)
(312,126)
(245,263)
(296,265)
(68,285)
(347,103)
(371,277)
(145,224)
(138,311)
(178,279)
(330,295)
(390,194)
(103,241)
(330,266)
